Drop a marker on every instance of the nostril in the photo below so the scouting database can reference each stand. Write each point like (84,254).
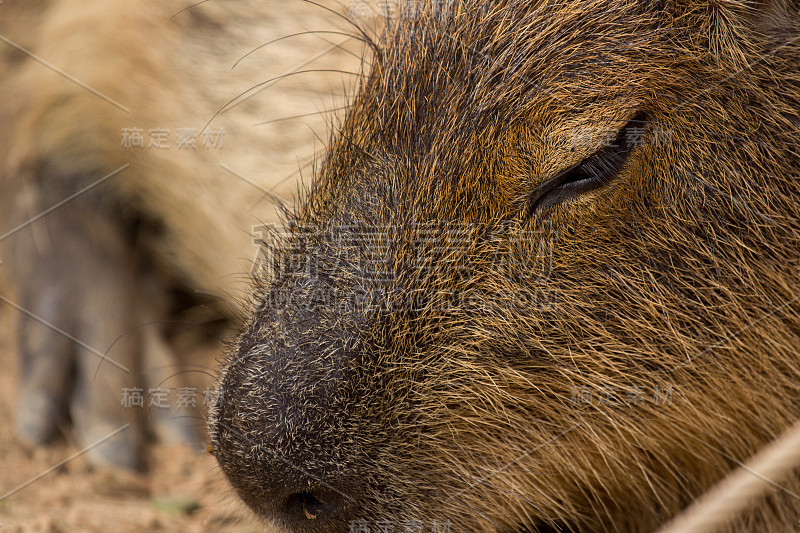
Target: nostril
(305,505)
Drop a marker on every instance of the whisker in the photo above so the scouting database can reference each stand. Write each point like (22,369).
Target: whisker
(340,47)
(301,116)
(255,89)
(366,38)
(188,7)
(151,323)
(350,36)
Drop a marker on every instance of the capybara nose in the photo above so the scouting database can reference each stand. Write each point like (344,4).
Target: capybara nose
(283,432)
(293,478)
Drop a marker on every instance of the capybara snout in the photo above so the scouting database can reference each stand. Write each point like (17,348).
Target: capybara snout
(550,278)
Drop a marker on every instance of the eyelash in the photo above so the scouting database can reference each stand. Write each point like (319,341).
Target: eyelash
(594,172)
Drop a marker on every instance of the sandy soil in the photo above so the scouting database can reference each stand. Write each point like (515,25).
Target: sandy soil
(182,490)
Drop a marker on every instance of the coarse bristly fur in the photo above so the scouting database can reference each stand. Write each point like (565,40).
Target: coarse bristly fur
(436,347)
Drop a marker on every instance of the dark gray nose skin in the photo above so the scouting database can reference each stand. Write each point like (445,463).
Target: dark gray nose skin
(285,423)
(312,397)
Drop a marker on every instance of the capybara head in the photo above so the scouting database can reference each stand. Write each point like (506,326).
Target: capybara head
(545,280)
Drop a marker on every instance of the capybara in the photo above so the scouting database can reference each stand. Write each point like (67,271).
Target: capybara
(132,172)
(545,279)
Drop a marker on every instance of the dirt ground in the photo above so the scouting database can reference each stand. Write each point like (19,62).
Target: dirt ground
(53,489)
(182,490)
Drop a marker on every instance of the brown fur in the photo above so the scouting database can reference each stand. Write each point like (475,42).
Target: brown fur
(451,396)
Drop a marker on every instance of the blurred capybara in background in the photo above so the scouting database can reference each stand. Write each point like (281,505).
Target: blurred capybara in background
(546,278)
(122,201)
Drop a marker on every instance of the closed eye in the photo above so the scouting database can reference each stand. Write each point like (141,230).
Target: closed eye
(594,172)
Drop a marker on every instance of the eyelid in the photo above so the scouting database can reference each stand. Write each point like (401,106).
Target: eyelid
(596,170)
